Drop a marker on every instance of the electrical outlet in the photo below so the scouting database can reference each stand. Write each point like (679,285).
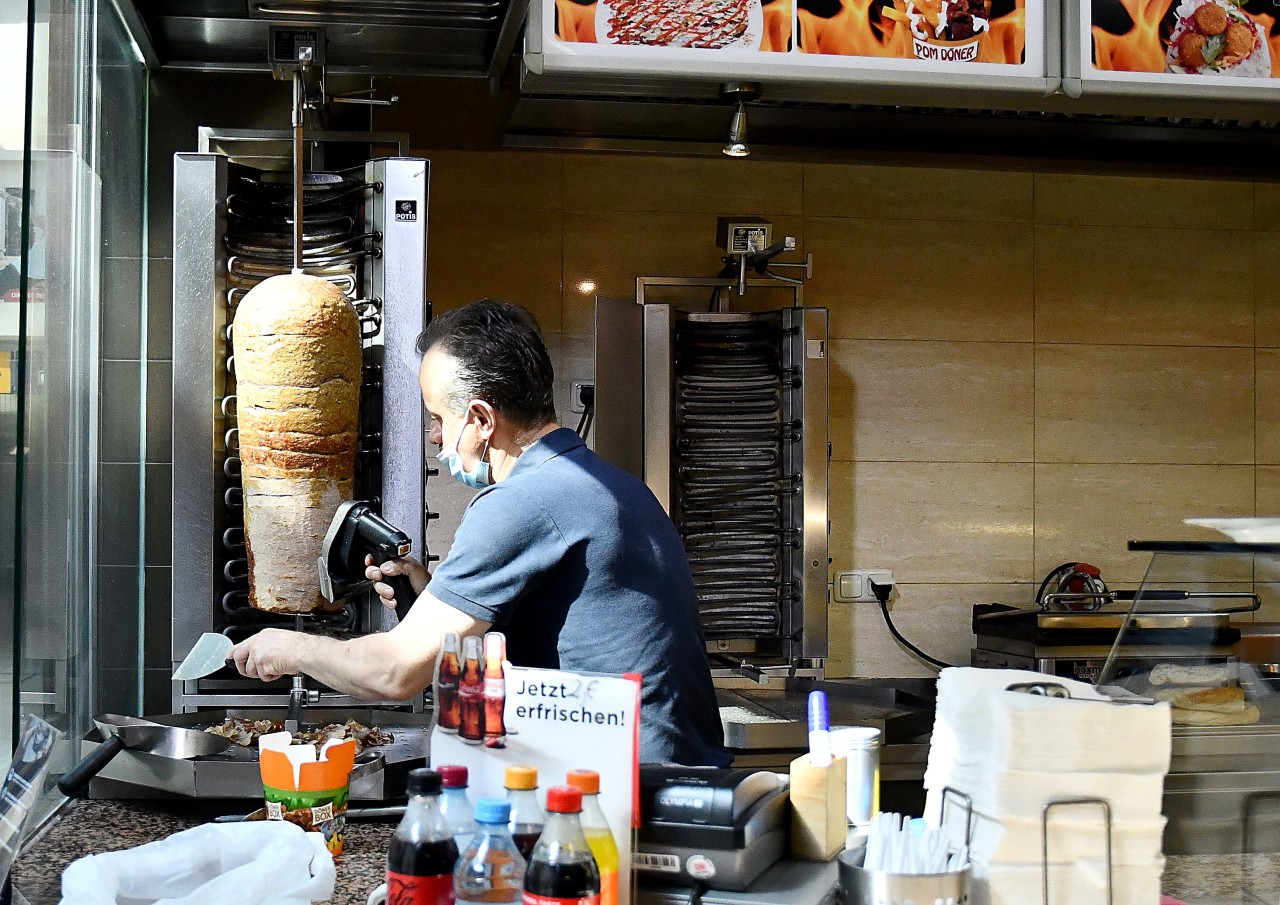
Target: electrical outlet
(576,402)
(854,585)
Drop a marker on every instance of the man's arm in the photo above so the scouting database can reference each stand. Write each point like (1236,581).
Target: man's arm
(389,666)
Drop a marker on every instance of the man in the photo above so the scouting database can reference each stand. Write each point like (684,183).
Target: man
(572,558)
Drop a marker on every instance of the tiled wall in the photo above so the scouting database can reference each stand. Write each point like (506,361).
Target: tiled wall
(1026,367)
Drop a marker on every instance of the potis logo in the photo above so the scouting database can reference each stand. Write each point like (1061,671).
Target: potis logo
(406,211)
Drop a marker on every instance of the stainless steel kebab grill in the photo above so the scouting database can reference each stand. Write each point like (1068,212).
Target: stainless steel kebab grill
(364,230)
(729,427)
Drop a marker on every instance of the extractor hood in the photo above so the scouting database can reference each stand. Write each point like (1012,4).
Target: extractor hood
(464,38)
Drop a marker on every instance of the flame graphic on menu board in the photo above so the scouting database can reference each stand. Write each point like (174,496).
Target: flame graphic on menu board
(1134,34)
(878,28)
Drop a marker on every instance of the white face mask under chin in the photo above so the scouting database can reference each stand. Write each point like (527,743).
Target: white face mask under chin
(452,459)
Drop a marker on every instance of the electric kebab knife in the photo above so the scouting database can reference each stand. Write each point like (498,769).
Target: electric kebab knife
(356,532)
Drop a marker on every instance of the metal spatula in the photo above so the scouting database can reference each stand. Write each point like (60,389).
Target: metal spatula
(207,657)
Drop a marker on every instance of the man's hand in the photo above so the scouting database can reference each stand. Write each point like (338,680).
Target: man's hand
(415,571)
(269,654)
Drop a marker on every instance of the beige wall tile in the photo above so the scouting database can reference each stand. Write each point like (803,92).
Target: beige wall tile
(931,401)
(1267,500)
(916,193)
(1140,404)
(933,522)
(922,279)
(1266,288)
(1090,512)
(494,179)
(1267,390)
(1131,286)
(1266,205)
(1088,200)
(934,617)
(610,249)
(513,255)
(628,182)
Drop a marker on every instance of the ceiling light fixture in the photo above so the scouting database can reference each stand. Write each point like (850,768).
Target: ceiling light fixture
(738,93)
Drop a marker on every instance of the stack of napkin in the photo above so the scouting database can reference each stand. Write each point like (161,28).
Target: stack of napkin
(1012,753)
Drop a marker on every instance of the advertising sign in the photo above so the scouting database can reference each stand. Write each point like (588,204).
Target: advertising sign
(550,719)
(1191,48)
(996,42)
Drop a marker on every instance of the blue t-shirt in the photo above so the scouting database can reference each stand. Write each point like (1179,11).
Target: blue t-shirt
(578,564)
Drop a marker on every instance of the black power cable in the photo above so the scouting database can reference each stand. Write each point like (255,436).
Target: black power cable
(882,592)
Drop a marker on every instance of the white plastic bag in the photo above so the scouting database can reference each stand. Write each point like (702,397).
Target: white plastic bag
(259,863)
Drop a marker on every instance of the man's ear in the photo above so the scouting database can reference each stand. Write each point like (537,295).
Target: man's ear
(486,418)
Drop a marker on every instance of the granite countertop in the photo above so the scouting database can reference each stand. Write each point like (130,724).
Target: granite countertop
(92,827)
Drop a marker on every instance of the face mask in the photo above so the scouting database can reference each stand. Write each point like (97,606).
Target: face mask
(452,460)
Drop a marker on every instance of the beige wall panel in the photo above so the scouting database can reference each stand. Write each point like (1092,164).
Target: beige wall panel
(940,280)
(934,617)
(1140,404)
(1090,512)
(931,401)
(605,182)
(916,193)
(494,179)
(1266,288)
(1134,286)
(512,255)
(1088,200)
(933,522)
(610,249)
(1268,492)
(1267,390)
(1266,206)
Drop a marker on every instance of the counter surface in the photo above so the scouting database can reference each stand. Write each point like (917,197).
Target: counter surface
(91,827)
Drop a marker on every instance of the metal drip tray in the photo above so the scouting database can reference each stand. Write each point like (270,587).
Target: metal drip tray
(233,773)
(777,718)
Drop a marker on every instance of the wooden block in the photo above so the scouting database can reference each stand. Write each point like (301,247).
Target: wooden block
(818,825)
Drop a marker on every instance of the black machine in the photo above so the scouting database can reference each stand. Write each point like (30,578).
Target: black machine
(358,531)
(719,827)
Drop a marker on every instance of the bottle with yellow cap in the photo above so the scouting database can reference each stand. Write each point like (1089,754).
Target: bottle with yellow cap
(527,818)
(596,828)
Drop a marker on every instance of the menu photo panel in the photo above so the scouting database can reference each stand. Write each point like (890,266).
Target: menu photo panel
(778,41)
(1205,48)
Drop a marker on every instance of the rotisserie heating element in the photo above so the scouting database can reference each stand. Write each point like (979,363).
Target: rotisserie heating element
(364,230)
(729,430)
(734,488)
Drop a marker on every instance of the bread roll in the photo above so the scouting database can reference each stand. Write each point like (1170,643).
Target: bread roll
(297,363)
(1206,675)
(1216,700)
(1246,717)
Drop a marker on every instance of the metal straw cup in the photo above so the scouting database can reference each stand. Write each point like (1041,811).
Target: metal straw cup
(878,887)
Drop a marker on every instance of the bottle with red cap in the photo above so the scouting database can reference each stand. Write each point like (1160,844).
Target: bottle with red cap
(422,854)
(456,806)
(562,870)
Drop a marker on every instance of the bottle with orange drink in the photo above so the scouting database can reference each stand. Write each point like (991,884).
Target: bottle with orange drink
(599,839)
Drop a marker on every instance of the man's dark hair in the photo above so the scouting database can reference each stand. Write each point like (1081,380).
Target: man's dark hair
(498,356)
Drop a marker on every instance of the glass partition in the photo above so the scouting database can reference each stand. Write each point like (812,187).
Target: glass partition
(71,168)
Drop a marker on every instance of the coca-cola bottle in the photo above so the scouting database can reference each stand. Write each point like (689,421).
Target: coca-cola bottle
(422,854)
(471,691)
(562,870)
(448,708)
(495,689)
